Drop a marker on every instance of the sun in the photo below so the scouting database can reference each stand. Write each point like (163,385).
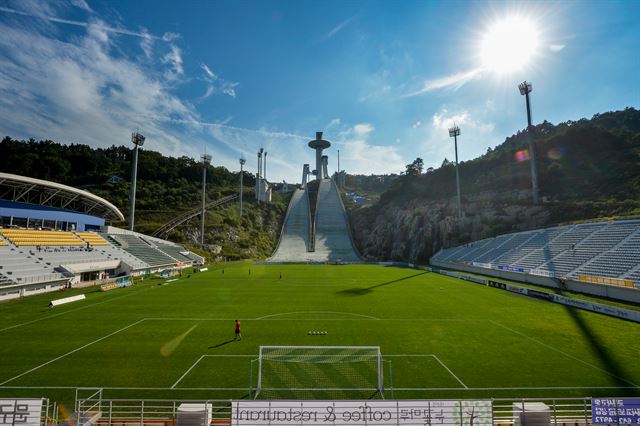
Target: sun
(509,44)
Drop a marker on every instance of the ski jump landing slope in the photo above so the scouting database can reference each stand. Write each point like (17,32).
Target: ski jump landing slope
(294,239)
(333,236)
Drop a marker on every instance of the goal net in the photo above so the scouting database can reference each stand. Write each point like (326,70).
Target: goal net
(319,372)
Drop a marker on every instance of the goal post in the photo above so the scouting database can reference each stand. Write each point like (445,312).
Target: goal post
(319,372)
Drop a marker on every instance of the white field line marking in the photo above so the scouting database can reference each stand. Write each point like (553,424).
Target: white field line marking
(562,352)
(318,312)
(230,356)
(187,372)
(311,319)
(450,372)
(395,389)
(66,312)
(73,351)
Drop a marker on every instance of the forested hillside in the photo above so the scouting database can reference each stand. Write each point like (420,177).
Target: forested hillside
(166,187)
(587,169)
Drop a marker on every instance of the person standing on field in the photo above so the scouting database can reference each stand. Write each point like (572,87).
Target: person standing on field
(238,334)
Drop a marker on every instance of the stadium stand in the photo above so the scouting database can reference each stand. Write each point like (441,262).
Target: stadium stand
(47,243)
(603,249)
(92,238)
(142,249)
(33,237)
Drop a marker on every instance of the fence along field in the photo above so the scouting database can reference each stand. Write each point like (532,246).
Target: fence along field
(439,337)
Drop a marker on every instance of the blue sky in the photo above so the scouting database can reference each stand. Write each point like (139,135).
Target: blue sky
(382,79)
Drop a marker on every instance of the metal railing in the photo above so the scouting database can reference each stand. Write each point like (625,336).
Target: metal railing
(538,411)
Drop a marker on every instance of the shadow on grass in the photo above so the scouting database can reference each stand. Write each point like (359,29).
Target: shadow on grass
(604,354)
(222,344)
(361,291)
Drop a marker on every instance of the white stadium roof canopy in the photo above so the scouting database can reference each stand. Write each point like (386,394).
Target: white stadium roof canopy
(24,189)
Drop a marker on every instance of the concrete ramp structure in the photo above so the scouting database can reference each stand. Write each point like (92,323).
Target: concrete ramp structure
(332,238)
(294,238)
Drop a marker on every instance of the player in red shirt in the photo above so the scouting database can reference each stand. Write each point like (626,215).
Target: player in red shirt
(238,335)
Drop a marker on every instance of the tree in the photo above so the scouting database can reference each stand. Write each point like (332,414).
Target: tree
(415,168)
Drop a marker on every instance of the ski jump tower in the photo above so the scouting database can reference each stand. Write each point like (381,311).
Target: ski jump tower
(318,233)
(319,144)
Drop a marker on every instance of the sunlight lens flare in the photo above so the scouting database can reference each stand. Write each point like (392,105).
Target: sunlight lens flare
(509,44)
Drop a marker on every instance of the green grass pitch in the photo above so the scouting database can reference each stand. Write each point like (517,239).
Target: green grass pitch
(443,337)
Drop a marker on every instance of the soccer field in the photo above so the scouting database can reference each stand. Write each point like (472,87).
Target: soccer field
(440,337)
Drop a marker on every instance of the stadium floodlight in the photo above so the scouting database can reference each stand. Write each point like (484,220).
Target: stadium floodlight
(525,88)
(242,162)
(206,160)
(454,132)
(258,174)
(138,140)
(307,372)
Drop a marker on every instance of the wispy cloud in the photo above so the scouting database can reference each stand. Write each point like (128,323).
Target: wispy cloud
(217,84)
(88,89)
(57,20)
(335,30)
(416,124)
(454,81)
(556,47)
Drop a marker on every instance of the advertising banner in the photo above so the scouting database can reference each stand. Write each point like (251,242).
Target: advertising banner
(606,281)
(20,412)
(600,308)
(356,413)
(511,268)
(615,411)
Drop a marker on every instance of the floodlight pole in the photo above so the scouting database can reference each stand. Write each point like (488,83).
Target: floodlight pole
(242,161)
(454,132)
(206,160)
(339,174)
(526,88)
(258,174)
(138,140)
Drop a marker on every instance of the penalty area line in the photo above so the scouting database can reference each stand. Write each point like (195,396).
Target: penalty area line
(450,372)
(187,372)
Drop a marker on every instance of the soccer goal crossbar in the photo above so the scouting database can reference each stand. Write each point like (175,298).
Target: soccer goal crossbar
(301,372)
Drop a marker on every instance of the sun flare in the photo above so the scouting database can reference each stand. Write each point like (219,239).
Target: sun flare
(509,44)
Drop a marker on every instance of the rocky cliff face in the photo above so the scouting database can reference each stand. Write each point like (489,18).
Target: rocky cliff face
(587,169)
(416,230)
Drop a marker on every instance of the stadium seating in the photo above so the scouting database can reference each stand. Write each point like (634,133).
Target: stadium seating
(141,249)
(92,238)
(32,237)
(602,249)
(176,252)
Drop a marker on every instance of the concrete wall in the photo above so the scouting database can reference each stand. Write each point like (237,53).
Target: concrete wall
(17,291)
(610,292)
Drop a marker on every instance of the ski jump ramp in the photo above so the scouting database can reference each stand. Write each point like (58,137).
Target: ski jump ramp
(332,239)
(294,238)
